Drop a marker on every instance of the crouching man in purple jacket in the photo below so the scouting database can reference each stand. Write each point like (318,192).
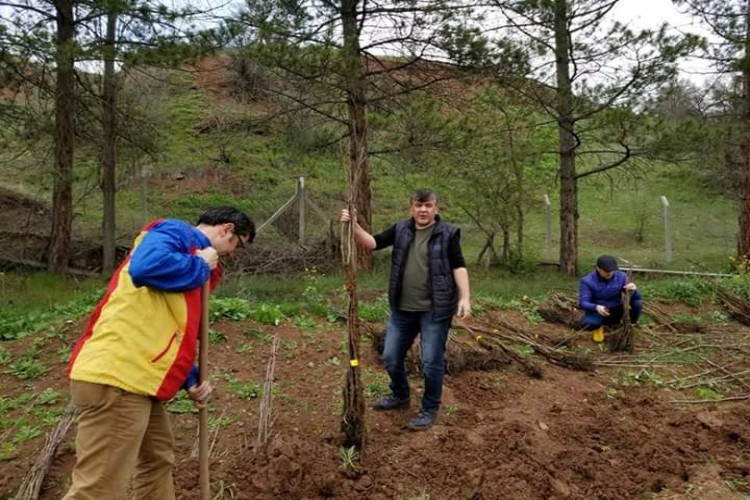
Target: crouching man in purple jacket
(599,295)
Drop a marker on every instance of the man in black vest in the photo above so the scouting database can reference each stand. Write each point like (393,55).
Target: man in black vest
(429,283)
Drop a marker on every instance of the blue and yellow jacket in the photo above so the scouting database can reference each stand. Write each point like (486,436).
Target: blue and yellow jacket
(142,336)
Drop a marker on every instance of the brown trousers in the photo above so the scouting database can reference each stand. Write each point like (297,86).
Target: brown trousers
(121,436)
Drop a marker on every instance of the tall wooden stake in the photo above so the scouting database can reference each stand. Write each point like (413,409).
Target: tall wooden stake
(353,419)
(205,483)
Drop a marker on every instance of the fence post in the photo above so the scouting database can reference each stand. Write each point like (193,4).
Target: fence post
(667,228)
(548,228)
(301,197)
(145,171)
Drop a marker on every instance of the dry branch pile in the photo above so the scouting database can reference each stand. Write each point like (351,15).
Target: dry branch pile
(561,309)
(738,308)
(265,415)
(32,483)
(287,259)
(621,339)
(489,347)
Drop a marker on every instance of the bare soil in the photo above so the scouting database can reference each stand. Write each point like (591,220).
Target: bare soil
(501,434)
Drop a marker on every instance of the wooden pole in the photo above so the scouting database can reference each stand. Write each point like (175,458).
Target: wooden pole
(205,483)
(302,195)
(667,228)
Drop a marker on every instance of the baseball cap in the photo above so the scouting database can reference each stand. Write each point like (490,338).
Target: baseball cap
(607,263)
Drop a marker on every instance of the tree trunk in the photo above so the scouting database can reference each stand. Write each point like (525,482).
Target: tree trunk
(357,104)
(518,168)
(519,232)
(62,178)
(744,177)
(109,146)
(568,182)
(353,418)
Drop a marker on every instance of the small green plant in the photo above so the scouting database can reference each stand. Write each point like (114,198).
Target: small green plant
(312,279)
(268,315)
(4,357)
(718,317)
(451,409)
(27,368)
(374,311)
(258,333)
(376,383)
(611,393)
(181,404)
(304,322)
(48,397)
(63,353)
(25,433)
(249,391)
(229,308)
(26,397)
(333,316)
(219,422)
(6,405)
(333,361)
(216,337)
(529,310)
(48,416)
(348,458)
(525,350)
(244,347)
(7,451)
(376,389)
(641,377)
(244,390)
(707,394)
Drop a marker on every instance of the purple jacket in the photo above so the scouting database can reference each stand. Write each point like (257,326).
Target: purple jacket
(594,291)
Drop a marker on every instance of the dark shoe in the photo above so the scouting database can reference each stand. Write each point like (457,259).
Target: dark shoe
(423,420)
(390,403)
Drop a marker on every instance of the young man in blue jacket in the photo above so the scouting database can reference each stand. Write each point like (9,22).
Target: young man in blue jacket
(600,295)
(429,283)
(139,349)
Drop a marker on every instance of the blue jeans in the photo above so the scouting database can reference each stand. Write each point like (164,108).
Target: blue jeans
(403,327)
(593,320)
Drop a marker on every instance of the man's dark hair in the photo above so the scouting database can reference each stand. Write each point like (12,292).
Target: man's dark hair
(243,226)
(423,195)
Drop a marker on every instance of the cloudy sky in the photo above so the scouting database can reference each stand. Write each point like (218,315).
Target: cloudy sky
(651,14)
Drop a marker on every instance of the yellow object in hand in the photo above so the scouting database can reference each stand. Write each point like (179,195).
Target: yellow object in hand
(598,334)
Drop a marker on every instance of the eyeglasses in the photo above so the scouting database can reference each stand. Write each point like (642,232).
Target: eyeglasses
(240,242)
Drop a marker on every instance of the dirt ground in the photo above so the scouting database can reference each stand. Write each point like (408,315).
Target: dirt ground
(615,432)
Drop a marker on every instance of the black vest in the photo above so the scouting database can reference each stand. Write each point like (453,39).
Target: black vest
(443,289)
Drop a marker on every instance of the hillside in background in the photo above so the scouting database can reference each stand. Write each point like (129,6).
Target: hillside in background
(209,143)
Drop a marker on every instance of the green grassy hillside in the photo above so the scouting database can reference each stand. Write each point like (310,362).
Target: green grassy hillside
(210,149)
